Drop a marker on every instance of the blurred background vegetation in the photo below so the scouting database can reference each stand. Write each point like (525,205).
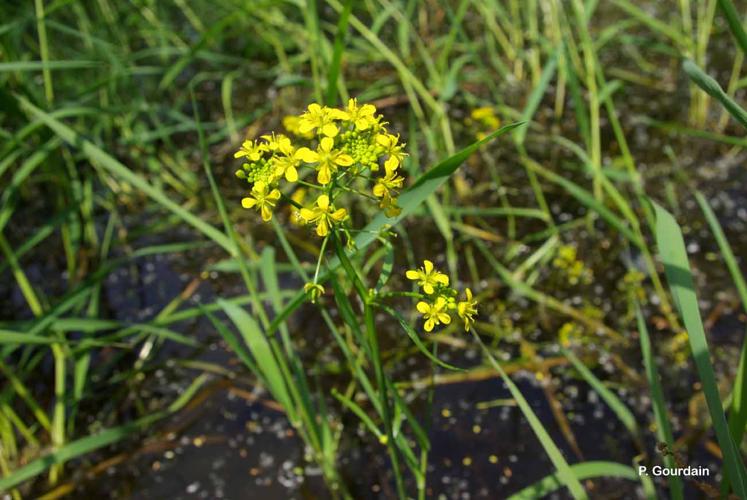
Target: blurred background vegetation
(115,382)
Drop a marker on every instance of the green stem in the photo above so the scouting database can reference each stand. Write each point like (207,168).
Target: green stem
(376,355)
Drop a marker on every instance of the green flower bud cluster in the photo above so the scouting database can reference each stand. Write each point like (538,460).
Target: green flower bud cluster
(261,170)
(362,149)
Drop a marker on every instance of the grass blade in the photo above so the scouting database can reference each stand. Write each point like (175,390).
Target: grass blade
(100,157)
(677,269)
(712,88)
(564,473)
(261,351)
(586,470)
(663,427)
(735,24)
(622,411)
(96,441)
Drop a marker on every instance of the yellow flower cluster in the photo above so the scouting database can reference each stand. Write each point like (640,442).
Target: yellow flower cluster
(441,300)
(334,151)
(484,120)
(575,269)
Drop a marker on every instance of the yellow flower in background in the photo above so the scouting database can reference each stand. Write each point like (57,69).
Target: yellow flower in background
(427,277)
(324,215)
(321,119)
(467,309)
(251,150)
(485,115)
(434,314)
(328,159)
(363,116)
(263,199)
(292,124)
(298,197)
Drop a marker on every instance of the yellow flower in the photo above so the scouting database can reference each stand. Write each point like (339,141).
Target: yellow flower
(434,314)
(328,159)
(324,214)
(486,116)
(251,149)
(390,145)
(385,184)
(389,204)
(467,309)
(262,199)
(322,119)
(288,159)
(427,277)
(298,196)
(314,291)
(363,117)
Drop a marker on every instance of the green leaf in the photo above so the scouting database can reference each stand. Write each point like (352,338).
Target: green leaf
(712,88)
(735,24)
(416,339)
(585,470)
(663,427)
(677,269)
(259,347)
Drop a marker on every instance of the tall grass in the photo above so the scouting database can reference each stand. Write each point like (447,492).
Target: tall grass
(117,122)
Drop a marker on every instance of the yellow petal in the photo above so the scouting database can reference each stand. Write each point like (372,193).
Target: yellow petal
(423,307)
(412,275)
(428,265)
(306,126)
(314,108)
(339,214)
(291,174)
(322,229)
(330,130)
(273,196)
(441,278)
(361,124)
(383,140)
(429,325)
(306,155)
(306,214)
(444,318)
(344,160)
(266,213)
(379,190)
(391,163)
(248,202)
(338,114)
(323,177)
(326,144)
(427,288)
(469,294)
(323,202)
